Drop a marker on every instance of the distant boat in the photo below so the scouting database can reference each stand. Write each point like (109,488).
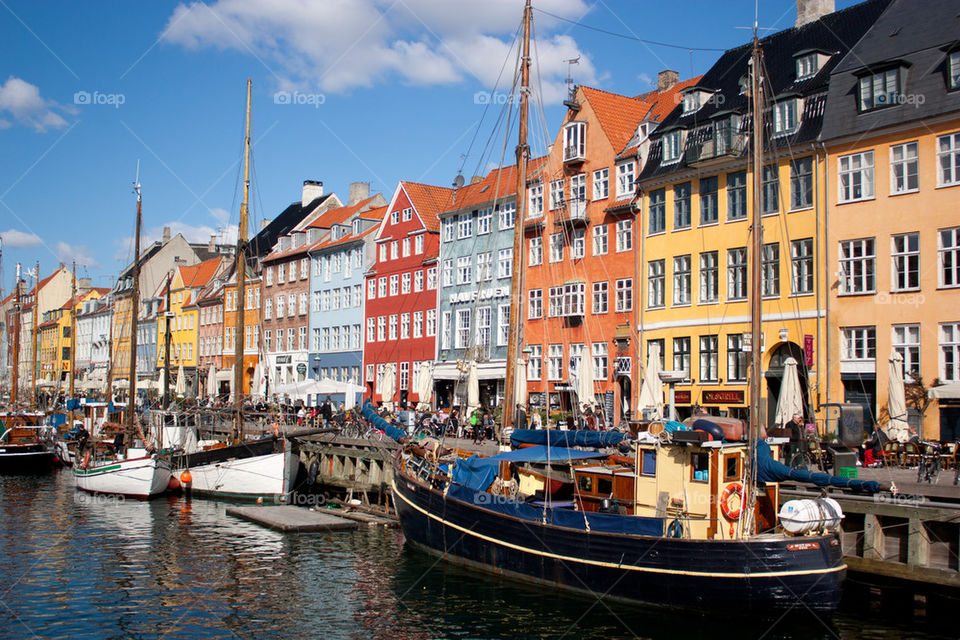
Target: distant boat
(25,444)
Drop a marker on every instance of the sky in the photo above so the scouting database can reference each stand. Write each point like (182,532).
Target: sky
(343,91)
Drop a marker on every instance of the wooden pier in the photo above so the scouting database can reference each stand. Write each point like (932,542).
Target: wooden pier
(288,519)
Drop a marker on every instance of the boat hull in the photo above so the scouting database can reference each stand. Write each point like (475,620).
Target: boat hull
(248,471)
(140,478)
(25,459)
(766,574)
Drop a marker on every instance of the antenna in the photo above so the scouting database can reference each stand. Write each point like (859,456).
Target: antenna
(570,62)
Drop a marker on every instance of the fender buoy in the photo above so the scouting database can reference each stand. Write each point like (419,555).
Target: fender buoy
(86,460)
(732,488)
(173,484)
(186,477)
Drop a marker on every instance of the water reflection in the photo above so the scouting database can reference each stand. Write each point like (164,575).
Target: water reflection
(85,567)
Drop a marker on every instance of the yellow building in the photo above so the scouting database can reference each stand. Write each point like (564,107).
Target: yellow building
(892,133)
(56,338)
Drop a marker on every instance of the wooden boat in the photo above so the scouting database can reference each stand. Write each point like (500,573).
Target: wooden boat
(25,444)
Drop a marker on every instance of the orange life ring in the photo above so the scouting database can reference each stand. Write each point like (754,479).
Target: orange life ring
(732,488)
(86,460)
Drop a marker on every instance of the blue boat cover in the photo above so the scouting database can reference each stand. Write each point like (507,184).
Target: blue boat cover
(478,473)
(371,414)
(566,438)
(597,522)
(770,470)
(673,425)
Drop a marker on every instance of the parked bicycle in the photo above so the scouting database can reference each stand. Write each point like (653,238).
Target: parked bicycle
(809,454)
(929,467)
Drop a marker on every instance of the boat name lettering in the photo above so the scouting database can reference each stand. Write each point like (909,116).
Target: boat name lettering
(803,546)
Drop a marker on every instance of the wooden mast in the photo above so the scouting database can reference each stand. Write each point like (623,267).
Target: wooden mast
(241,270)
(15,388)
(514,339)
(33,336)
(73,340)
(167,336)
(134,308)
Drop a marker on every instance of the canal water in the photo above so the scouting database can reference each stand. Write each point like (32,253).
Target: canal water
(79,566)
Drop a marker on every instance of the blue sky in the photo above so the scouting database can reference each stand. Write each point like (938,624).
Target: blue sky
(344,90)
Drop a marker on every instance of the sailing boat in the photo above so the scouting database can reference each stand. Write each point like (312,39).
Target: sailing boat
(675,519)
(131,471)
(264,468)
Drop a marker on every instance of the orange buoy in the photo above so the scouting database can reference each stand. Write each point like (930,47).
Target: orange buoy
(173,484)
(259,500)
(186,477)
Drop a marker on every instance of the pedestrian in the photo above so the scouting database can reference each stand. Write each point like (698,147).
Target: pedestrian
(487,428)
(536,421)
(326,411)
(590,419)
(453,423)
(521,418)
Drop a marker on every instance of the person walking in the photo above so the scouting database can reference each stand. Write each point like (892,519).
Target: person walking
(521,418)
(326,411)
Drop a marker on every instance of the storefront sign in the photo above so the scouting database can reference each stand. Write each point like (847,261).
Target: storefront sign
(554,401)
(302,369)
(808,348)
(535,400)
(682,396)
(483,294)
(723,397)
(284,359)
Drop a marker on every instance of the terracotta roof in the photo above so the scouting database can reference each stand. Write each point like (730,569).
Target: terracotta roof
(429,201)
(665,102)
(340,214)
(199,274)
(618,115)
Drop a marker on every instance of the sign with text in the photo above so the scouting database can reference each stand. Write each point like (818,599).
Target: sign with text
(726,396)
(808,349)
(682,396)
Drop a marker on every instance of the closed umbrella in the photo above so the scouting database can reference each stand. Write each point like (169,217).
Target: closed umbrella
(897,428)
(425,390)
(181,387)
(790,401)
(520,380)
(473,388)
(585,390)
(651,389)
(256,384)
(387,386)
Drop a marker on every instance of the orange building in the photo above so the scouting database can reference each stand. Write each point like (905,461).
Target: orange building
(251,332)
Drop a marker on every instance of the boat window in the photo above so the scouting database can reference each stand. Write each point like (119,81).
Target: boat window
(649,466)
(700,467)
(585,483)
(731,467)
(604,486)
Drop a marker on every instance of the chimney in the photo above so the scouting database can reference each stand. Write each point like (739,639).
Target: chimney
(812,10)
(213,244)
(667,78)
(358,191)
(312,189)
(166,235)
(83,285)
(476,179)
(263,224)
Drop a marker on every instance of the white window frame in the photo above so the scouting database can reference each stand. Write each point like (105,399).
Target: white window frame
(905,262)
(948,257)
(948,160)
(858,266)
(601,184)
(904,168)
(855,177)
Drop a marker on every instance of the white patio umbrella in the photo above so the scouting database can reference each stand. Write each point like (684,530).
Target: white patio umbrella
(897,428)
(211,381)
(181,387)
(651,389)
(473,388)
(256,384)
(161,379)
(425,385)
(520,383)
(387,386)
(585,390)
(790,400)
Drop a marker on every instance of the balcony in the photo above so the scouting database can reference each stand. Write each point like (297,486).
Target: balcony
(717,147)
(572,212)
(623,365)
(574,154)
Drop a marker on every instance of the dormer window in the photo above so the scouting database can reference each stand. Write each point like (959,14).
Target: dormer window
(810,62)
(356,227)
(953,70)
(693,99)
(881,89)
(408,214)
(574,141)
(785,116)
(394,217)
(672,146)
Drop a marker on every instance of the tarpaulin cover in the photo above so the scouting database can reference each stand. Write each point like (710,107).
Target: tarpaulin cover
(478,473)
(598,522)
(770,470)
(371,414)
(73,404)
(566,438)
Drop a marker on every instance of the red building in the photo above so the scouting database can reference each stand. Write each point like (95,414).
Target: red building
(400,327)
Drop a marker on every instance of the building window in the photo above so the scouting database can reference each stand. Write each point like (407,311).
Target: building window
(371,289)
(578,247)
(624,235)
(447,231)
(681,280)
(556,194)
(302,304)
(417,246)
(382,287)
(737,273)
(302,338)
(672,147)
(600,240)
(554,301)
(392,327)
(736,358)
(709,287)
(709,359)
(269,271)
(737,195)
(880,90)
(535,252)
(625,179)
(953,70)
(770,190)
(770,267)
(601,184)
(394,217)
(578,195)
(484,266)
(505,263)
(535,362)
(709,208)
(601,360)
(556,247)
(574,141)
(503,325)
(681,206)
(484,221)
(405,252)
(949,256)
(280,310)
(681,356)
(801,183)
(417,280)
(905,256)
(808,66)
(394,284)
(268,309)
(573,299)
(801,266)
(950,352)
(267,341)
(404,326)
(948,156)
(624,295)
(555,362)
(408,214)
(904,171)
(394,252)
(785,118)
(536,201)
(371,330)
(431,278)
(658,211)
(405,283)
(906,342)
(464,226)
(534,304)
(463,270)
(858,343)
(381,328)
(856,177)
(600,297)
(483,326)
(506,215)
(280,275)
(857,266)
(431,322)
(655,284)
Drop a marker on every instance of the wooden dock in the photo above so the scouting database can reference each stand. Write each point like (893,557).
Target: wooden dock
(292,519)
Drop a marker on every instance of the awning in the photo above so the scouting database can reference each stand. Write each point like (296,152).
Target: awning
(949,391)
(495,370)
(225,375)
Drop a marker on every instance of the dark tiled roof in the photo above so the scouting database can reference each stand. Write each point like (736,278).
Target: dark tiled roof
(920,38)
(263,242)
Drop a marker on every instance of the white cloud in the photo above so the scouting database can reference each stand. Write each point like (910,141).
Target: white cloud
(22,101)
(80,254)
(221,215)
(20,240)
(339,45)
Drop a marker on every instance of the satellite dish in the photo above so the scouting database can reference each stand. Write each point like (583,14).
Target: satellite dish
(458,181)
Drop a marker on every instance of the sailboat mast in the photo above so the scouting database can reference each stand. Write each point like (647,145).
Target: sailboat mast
(756,236)
(15,388)
(33,336)
(167,336)
(134,308)
(73,337)
(517,280)
(241,270)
